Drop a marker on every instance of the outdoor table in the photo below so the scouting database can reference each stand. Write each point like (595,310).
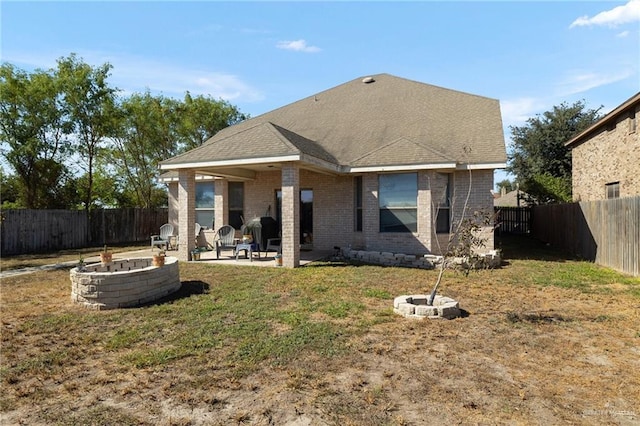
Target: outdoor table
(248,248)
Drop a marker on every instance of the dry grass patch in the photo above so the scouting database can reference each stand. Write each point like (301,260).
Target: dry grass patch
(72,255)
(546,341)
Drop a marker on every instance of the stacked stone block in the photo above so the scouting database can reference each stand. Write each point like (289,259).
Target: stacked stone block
(491,259)
(416,306)
(123,283)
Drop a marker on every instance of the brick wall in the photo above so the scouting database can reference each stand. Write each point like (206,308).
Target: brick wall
(290,220)
(333,208)
(480,199)
(609,156)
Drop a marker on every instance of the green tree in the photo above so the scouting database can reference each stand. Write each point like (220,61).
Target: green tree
(201,117)
(90,105)
(154,128)
(33,132)
(9,190)
(146,136)
(505,184)
(539,157)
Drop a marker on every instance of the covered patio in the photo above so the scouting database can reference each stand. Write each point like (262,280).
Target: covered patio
(265,260)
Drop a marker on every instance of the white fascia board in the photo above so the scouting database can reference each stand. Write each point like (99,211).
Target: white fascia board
(402,168)
(176,178)
(226,163)
(481,166)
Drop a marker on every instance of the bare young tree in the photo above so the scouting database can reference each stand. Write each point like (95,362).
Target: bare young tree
(465,235)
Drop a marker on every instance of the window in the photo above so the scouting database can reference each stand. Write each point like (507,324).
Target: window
(398,198)
(613,190)
(443,218)
(205,203)
(633,124)
(236,204)
(357,202)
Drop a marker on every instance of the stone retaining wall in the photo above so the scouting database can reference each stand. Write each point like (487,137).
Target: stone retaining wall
(490,259)
(123,283)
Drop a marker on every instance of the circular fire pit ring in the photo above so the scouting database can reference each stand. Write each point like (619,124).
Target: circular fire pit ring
(415,306)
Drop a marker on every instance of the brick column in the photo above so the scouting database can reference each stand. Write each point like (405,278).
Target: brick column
(290,215)
(174,207)
(221,203)
(187,213)
(371,209)
(424,210)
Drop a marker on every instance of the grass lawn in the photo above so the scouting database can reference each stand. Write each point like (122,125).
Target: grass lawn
(72,255)
(545,340)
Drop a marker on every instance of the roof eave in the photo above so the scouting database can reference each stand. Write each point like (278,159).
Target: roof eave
(578,139)
(481,166)
(432,166)
(227,163)
(401,168)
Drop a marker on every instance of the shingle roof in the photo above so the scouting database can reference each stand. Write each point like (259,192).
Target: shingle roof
(388,121)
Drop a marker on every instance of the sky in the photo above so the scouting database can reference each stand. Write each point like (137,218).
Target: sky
(259,56)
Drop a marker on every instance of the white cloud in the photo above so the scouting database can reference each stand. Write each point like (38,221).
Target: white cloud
(135,74)
(298,46)
(619,15)
(623,34)
(516,112)
(579,81)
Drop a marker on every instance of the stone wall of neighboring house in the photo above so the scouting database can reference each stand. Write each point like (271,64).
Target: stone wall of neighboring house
(612,155)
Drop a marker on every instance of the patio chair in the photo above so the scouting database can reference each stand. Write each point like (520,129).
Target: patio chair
(274,244)
(163,238)
(197,232)
(225,239)
(198,228)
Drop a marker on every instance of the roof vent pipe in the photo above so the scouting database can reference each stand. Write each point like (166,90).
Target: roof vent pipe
(368,80)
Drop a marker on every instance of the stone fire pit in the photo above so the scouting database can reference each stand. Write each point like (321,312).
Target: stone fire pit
(415,306)
(123,283)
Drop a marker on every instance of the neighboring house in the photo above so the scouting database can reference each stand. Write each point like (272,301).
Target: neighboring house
(379,163)
(515,198)
(606,156)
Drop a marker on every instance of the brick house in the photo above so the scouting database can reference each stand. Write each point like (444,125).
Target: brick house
(378,163)
(606,156)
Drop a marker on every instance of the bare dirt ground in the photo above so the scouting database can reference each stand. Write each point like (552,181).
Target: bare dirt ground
(523,354)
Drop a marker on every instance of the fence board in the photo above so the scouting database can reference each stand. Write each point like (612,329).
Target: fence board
(35,231)
(604,231)
(514,220)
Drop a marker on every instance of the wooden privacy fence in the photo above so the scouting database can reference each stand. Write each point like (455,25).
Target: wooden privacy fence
(35,231)
(513,220)
(606,231)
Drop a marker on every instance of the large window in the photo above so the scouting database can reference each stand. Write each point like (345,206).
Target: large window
(205,204)
(443,215)
(398,198)
(236,204)
(357,202)
(613,190)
